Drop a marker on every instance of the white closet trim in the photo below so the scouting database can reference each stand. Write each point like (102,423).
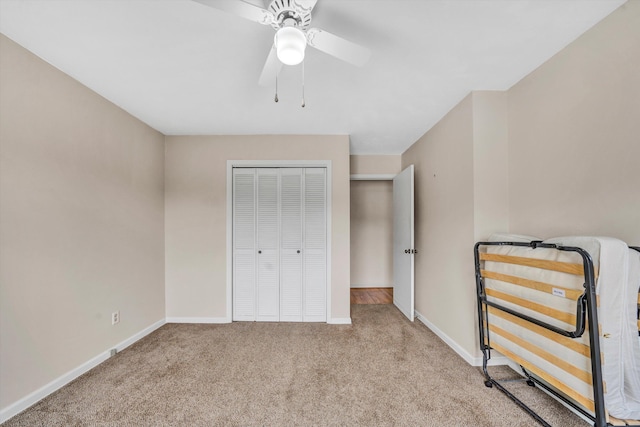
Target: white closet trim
(274,164)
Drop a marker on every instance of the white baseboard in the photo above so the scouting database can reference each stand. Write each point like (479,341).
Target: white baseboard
(198,320)
(137,337)
(332,321)
(470,359)
(32,398)
(339,321)
(372,176)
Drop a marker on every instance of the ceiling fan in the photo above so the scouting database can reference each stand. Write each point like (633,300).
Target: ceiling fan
(291,20)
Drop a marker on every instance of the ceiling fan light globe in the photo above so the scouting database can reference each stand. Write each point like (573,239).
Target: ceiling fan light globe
(290,56)
(290,45)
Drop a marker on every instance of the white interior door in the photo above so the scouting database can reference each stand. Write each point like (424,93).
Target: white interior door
(291,245)
(403,242)
(268,239)
(244,244)
(315,245)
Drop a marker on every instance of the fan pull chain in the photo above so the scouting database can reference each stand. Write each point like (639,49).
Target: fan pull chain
(276,98)
(303,104)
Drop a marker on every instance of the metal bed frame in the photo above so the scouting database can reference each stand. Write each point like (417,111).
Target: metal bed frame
(637,248)
(586,311)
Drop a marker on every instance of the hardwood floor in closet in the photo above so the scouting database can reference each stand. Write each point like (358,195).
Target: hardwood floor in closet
(371,295)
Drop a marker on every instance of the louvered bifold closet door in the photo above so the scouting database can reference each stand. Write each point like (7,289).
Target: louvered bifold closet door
(268,233)
(291,245)
(315,245)
(244,250)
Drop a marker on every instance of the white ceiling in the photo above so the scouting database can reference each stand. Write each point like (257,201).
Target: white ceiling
(188,69)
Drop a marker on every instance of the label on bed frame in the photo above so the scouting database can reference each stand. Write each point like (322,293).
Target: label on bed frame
(558,292)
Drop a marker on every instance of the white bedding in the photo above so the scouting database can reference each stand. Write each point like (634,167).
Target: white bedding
(617,318)
(632,361)
(617,288)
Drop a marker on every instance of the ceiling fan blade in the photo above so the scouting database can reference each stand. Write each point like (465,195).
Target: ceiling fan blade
(242,9)
(271,68)
(338,47)
(307,4)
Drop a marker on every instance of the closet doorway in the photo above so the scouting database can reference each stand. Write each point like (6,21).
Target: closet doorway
(382,240)
(279,242)
(371,241)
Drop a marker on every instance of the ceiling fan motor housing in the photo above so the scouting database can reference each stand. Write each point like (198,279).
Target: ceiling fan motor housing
(289,13)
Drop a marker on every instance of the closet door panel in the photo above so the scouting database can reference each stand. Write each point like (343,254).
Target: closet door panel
(244,291)
(315,233)
(268,287)
(291,245)
(244,226)
(315,287)
(268,231)
(291,288)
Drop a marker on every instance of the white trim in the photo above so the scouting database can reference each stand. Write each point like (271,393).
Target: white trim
(471,360)
(278,163)
(329,207)
(275,164)
(356,286)
(372,176)
(198,320)
(136,337)
(339,321)
(32,398)
(229,252)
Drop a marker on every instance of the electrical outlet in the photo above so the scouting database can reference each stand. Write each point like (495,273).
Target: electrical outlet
(115,317)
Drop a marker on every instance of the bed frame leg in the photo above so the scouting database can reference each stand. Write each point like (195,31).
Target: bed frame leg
(522,405)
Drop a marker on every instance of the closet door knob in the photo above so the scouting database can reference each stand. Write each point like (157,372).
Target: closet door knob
(298,250)
(259,252)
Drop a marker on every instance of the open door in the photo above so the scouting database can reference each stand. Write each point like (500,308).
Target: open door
(403,243)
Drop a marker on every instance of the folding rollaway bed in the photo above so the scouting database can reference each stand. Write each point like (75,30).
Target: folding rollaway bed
(566,311)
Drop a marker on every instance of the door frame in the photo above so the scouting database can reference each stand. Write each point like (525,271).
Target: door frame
(274,164)
(391,177)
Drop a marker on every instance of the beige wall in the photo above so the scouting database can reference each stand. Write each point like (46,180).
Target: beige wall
(444,220)
(371,234)
(490,160)
(461,188)
(81,224)
(195,212)
(574,136)
(375,164)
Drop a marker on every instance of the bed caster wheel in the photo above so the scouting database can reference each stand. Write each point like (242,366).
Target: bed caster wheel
(488,384)
(530,383)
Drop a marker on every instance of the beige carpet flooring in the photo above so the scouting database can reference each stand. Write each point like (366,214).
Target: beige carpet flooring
(380,371)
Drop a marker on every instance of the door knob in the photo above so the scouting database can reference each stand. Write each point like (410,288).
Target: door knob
(259,252)
(406,251)
(298,250)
